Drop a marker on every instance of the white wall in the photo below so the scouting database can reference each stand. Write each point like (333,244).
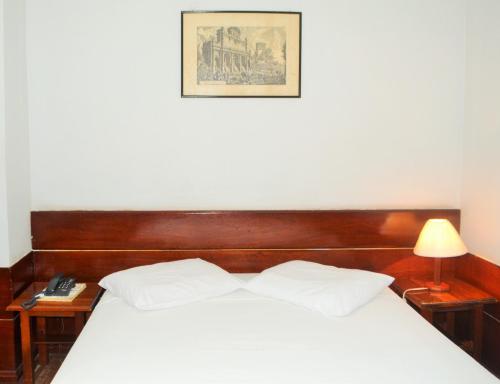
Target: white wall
(4,223)
(15,198)
(481,168)
(379,124)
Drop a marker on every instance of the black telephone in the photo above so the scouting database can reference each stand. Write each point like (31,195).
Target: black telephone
(58,286)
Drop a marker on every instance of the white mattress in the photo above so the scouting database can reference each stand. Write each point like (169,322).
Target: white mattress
(243,338)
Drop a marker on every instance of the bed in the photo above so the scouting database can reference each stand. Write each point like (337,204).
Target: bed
(245,338)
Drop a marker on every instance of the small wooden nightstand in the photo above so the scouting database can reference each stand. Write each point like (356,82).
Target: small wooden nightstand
(79,309)
(461,297)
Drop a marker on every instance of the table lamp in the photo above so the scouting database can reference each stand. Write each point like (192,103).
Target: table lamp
(439,239)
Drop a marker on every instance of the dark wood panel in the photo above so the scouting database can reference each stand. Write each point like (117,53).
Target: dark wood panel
(22,274)
(485,275)
(160,230)
(93,265)
(5,293)
(12,281)
(10,361)
(480,272)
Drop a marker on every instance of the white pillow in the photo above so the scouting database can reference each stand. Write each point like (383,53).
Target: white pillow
(330,290)
(169,284)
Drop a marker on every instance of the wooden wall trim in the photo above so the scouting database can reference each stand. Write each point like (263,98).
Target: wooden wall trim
(486,276)
(5,293)
(13,281)
(92,244)
(93,265)
(162,230)
(22,274)
(482,273)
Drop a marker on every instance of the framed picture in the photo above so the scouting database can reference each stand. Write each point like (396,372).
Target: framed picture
(241,54)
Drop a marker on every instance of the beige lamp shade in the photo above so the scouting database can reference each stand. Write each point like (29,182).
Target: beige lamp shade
(439,238)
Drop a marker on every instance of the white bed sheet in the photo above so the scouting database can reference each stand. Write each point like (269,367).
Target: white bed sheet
(244,338)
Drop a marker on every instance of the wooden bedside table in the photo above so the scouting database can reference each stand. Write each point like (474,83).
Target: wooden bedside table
(79,309)
(461,297)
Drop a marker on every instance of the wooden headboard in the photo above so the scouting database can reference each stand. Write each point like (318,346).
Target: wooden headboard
(91,244)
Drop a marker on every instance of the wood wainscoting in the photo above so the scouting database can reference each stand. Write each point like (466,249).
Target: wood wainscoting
(175,230)
(486,276)
(13,281)
(95,243)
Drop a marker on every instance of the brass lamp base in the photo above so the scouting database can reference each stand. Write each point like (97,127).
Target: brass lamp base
(437,285)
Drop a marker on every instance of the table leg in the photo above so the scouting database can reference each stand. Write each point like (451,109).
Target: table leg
(79,322)
(428,315)
(478,332)
(26,347)
(43,355)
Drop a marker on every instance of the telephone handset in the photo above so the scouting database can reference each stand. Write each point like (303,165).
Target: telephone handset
(58,286)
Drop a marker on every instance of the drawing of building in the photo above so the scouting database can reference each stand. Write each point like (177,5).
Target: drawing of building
(226,54)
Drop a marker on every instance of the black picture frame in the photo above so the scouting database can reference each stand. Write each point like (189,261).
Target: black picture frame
(299,91)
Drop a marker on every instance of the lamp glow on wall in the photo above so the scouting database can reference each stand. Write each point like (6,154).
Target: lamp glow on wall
(439,239)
